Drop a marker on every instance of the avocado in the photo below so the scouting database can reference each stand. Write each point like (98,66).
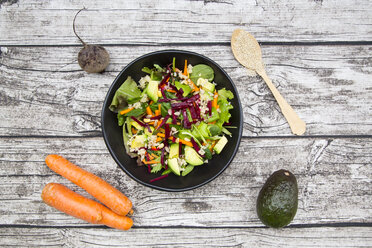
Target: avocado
(139,141)
(206,85)
(174,150)
(152,90)
(278,199)
(220,145)
(192,157)
(173,165)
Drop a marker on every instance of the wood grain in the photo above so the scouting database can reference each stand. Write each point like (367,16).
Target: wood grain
(186,21)
(326,85)
(182,237)
(334,178)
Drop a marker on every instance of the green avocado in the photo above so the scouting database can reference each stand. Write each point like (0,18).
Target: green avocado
(278,199)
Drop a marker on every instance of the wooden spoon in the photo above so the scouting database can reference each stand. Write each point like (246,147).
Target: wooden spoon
(248,52)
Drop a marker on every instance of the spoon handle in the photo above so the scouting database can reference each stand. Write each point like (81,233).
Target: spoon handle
(297,125)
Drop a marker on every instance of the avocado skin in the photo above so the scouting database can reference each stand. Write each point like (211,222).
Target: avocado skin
(278,199)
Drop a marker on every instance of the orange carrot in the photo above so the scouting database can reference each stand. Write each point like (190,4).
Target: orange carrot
(151,162)
(94,185)
(148,110)
(188,143)
(213,144)
(157,112)
(159,123)
(185,68)
(161,135)
(65,200)
(215,98)
(159,139)
(193,86)
(159,108)
(172,91)
(123,112)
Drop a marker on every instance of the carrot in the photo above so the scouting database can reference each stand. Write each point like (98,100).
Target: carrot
(123,112)
(213,144)
(172,91)
(159,108)
(185,68)
(94,185)
(193,86)
(151,162)
(148,110)
(215,98)
(159,123)
(188,143)
(65,200)
(157,112)
(161,135)
(158,139)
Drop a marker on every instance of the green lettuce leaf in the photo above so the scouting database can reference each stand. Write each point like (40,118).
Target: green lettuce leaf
(128,91)
(202,71)
(225,94)
(225,106)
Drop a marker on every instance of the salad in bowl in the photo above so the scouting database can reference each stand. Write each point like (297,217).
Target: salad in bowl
(173,119)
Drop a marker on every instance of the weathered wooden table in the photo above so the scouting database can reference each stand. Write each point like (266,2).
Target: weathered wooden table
(318,53)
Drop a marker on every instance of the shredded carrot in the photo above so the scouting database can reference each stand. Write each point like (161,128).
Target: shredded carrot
(156,156)
(185,68)
(151,157)
(215,98)
(161,135)
(172,91)
(150,162)
(167,80)
(159,123)
(213,122)
(123,112)
(213,144)
(134,131)
(157,112)
(159,107)
(151,102)
(188,143)
(148,110)
(159,139)
(193,86)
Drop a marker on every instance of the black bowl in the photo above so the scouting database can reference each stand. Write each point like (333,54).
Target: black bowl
(201,175)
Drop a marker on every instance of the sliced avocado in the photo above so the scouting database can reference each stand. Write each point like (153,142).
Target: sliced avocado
(278,199)
(208,86)
(220,145)
(187,170)
(174,150)
(192,157)
(147,131)
(186,89)
(152,90)
(139,141)
(136,125)
(173,165)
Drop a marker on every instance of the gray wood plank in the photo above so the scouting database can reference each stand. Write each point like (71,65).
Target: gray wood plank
(328,86)
(180,237)
(334,178)
(148,22)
